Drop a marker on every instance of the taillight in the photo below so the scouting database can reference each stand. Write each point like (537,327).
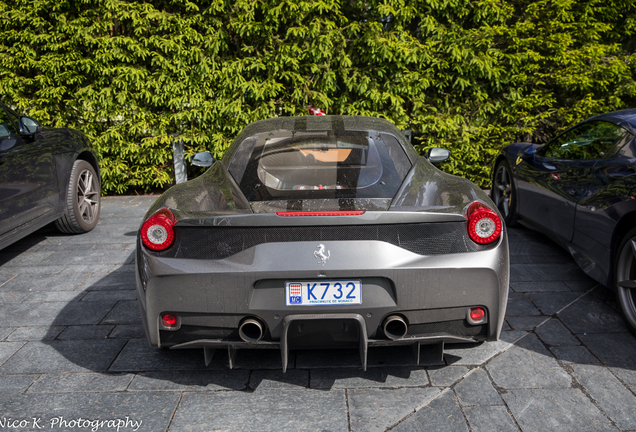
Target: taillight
(484,226)
(157,233)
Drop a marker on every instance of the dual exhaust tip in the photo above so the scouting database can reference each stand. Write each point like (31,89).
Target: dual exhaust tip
(394,327)
(253,330)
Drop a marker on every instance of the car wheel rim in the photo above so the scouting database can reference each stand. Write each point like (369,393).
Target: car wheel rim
(87,195)
(626,280)
(502,191)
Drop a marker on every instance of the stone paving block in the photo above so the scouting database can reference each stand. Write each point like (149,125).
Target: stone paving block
(128,331)
(7,349)
(554,333)
(525,322)
(115,280)
(30,269)
(528,364)
(490,418)
(86,332)
(372,377)
(443,414)
(89,382)
(612,396)
(378,409)
(30,282)
(137,355)
(24,259)
(293,379)
(520,305)
(13,297)
(151,411)
(4,278)
(582,285)
(63,356)
(546,272)
(55,313)
(261,410)
(39,333)
(591,315)
(551,303)
(253,359)
(191,381)
(5,332)
(627,376)
(113,295)
(573,354)
(616,350)
(562,410)
(85,257)
(477,389)
(446,376)
(476,354)
(61,247)
(55,296)
(522,287)
(16,383)
(124,312)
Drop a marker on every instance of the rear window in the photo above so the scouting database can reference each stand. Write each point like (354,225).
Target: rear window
(286,165)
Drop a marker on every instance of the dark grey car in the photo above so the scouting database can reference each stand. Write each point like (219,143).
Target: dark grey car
(580,189)
(321,232)
(46,175)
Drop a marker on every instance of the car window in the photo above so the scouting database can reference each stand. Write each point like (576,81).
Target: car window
(287,165)
(592,140)
(6,125)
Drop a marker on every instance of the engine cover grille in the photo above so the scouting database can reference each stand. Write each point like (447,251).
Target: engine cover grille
(222,242)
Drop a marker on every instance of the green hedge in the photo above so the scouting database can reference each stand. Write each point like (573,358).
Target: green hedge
(468,76)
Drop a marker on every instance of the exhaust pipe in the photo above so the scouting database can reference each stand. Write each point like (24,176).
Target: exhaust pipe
(394,327)
(251,330)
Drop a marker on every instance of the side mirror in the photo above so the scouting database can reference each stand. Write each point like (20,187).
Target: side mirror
(203,159)
(528,153)
(437,155)
(28,126)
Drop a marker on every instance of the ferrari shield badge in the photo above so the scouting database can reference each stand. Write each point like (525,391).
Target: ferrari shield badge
(320,254)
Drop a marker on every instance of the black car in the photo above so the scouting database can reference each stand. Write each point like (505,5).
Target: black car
(46,175)
(321,231)
(580,189)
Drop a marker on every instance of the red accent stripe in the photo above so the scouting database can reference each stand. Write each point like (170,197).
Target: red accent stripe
(321,213)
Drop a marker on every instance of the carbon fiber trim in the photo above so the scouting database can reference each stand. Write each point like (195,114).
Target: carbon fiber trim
(222,242)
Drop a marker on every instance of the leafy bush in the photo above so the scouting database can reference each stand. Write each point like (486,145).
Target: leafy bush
(468,76)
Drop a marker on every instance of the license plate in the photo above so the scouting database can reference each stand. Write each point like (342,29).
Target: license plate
(327,292)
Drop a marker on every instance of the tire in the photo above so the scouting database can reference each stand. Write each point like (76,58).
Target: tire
(83,198)
(625,279)
(503,193)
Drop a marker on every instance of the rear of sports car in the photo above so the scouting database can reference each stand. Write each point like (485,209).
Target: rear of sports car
(332,236)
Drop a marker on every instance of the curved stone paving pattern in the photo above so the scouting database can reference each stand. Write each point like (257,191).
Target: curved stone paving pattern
(72,349)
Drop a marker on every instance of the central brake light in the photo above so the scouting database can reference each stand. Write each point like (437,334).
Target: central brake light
(157,233)
(484,226)
(321,213)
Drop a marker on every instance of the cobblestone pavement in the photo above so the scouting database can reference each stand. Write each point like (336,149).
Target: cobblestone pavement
(73,354)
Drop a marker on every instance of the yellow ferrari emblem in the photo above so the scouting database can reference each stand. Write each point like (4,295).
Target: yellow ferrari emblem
(518,160)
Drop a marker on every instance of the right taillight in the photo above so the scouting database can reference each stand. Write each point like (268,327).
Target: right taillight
(157,233)
(484,226)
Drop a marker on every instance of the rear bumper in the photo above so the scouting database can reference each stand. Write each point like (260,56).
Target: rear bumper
(433,294)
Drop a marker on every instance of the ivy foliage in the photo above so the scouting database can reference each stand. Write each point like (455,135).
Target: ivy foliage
(470,76)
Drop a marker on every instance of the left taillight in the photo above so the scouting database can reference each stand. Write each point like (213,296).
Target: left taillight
(157,233)
(484,226)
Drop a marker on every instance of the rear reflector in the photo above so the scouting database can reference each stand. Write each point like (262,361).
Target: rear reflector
(169,320)
(321,213)
(477,314)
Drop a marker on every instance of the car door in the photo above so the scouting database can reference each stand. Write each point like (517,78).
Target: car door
(28,181)
(561,173)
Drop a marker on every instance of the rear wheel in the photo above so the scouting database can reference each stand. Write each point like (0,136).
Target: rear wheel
(625,278)
(503,194)
(82,200)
